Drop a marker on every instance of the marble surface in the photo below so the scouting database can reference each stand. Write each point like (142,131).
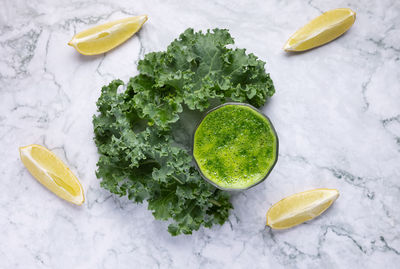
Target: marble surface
(336,110)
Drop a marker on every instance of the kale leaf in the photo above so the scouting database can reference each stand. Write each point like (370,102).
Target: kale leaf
(133,129)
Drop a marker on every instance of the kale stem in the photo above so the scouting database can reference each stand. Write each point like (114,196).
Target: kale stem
(215,202)
(177,179)
(148,161)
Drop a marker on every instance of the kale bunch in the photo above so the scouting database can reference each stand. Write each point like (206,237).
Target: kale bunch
(139,155)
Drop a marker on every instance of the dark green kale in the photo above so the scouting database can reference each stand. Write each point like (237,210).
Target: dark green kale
(133,130)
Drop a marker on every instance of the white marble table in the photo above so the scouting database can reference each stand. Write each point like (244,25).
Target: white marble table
(336,110)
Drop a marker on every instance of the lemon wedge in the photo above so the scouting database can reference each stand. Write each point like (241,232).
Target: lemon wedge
(102,38)
(300,207)
(321,30)
(49,170)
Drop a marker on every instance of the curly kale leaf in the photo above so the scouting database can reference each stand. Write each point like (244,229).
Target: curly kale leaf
(195,68)
(133,130)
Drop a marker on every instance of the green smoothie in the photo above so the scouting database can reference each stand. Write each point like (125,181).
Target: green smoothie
(235,146)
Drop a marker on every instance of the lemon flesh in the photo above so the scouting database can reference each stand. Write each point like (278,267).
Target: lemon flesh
(323,29)
(300,207)
(49,170)
(102,38)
